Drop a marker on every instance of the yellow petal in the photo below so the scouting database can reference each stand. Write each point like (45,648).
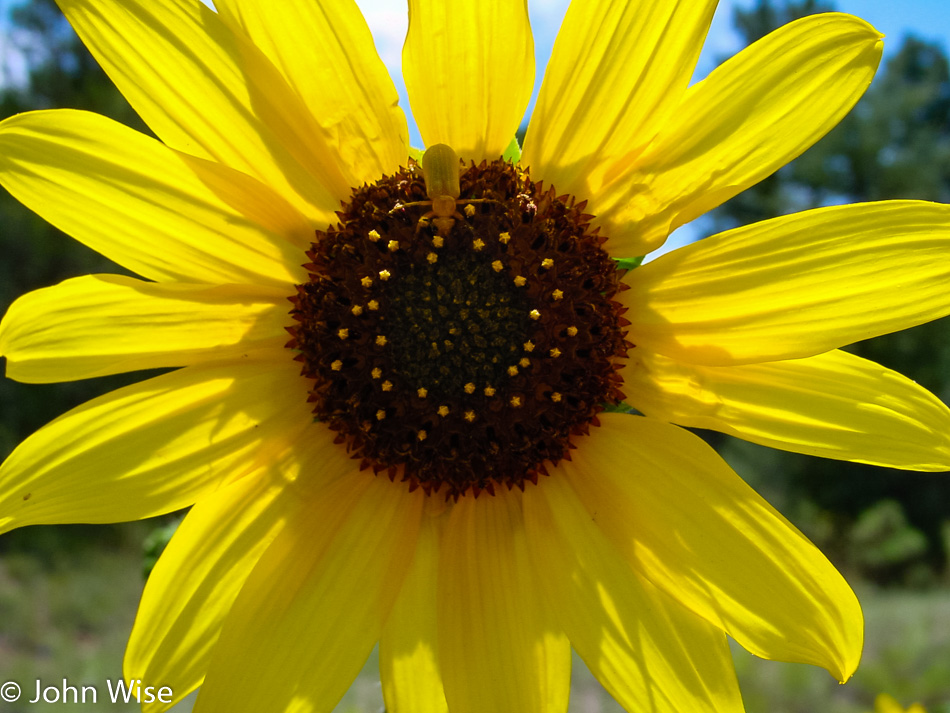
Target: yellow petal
(107,324)
(158,213)
(207,91)
(694,529)
(750,116)
(314,606)
(195,582)
(408,649)
(648,651)
(325,52)
(616,72)
(469,70)
(795,286)
(155,446)
(834,405)
(499,649)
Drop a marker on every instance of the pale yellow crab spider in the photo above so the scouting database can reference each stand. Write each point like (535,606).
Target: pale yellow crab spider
(441,170)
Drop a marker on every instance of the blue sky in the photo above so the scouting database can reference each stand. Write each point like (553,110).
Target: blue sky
(929,19)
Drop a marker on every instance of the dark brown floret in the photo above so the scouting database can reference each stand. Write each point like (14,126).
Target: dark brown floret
(460,361)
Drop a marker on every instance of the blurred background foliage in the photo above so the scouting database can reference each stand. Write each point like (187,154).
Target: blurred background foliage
(889,531)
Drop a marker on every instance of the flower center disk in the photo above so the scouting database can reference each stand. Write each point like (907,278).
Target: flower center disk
(460,353)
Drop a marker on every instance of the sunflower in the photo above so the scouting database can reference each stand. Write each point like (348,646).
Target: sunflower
(442,455)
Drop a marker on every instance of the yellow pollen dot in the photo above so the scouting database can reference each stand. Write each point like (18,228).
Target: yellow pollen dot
(534,314)
(443,410)
(343,333)
(393,245)
(504,238)
(557,295)
(384,275)
(469,416)
(555,397)
(525,362)
(373,305)
(512,371)
(555,352)
(438,241)
(520,281)
(432,258)
(373,235)
(572,331)
(469,210)
(497,266)
(478,244)
(381,341)
(387,385)
(422,435)
(489,391)
(469,388)
(528,346)
(367,282)
(380,415)
(376,373)
(357,310)
(422,393)
(515,401)
(547,263)
(336,365)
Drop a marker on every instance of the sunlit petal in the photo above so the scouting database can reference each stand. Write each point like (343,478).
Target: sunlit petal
(492,625)
(646,649)
(195,582)
(617,71)
(106,324)
(795,286)
(159,213)
(202,425)
(208,91)
(325,52)
(316,601)
(834,405)
(689,525)
(469,70)
(750,116)
(409,647)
